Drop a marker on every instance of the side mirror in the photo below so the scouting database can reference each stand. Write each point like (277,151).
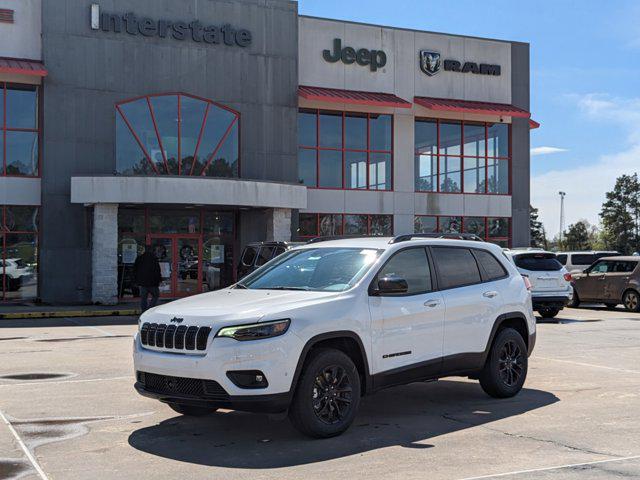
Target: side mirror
(391,286)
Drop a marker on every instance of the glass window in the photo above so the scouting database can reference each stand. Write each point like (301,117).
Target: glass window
(426,137)
(218,223)
(180,134)
(20,219)
(308,225)
(425,224)
(537,262)
(412,266)
(450,175)
(456,266)
(583,258)
(264,255)
(498,227)
(474,175)
(356,225)
(307,128)
(315,269)
(331,129)
(20,258)
(174,222)
(330,225)
(355,170)
(474,140)
(380,171)
(624,267)
(498,176)
(474,225)
(22,107)
(21,153)
(493,269)
(450,138)
(562,258)
(426,166)
(330,169)
(381,225)
(450,224)
(355,131)
(249,255)
(498,140)
(380,132)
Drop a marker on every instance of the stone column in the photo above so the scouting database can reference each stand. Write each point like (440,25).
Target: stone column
(104,254)
(278,225)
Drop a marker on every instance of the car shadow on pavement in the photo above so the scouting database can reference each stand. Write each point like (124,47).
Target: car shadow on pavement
(407,416)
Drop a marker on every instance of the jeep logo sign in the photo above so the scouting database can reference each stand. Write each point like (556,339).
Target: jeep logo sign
(375,59)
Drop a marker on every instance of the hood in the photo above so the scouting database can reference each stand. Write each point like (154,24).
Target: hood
(232,306)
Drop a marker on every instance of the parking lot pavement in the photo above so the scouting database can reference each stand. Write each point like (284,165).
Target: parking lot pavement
(70,404)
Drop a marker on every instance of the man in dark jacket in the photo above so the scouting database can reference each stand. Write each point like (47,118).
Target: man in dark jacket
(146,272)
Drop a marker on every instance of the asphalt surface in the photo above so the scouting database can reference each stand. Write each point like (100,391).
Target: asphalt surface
(578,416)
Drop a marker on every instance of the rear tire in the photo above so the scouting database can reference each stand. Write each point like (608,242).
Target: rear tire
(631,301)
(327,396)
(548,312)
(575,301)
(190,410)
(506,367)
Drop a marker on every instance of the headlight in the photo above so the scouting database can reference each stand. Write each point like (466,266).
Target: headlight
(256,331)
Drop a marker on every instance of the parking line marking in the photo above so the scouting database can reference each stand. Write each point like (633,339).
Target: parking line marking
(104,332)
(623,370)
(66,381)
(24,448)
(557,467)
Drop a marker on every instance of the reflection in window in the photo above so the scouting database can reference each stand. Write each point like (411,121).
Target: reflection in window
(460,155)
(494,229)
(176,135)
(352,150)
(332,224)
(18,253)
(19,130)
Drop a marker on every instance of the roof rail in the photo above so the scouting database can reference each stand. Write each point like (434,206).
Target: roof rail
(450,236)
(338,237)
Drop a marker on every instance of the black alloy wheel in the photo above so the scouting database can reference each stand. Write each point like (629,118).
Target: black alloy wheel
(332,394)
(510,363)
(631,301)
(505,370)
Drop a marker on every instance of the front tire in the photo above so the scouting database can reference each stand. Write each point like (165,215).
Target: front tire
(327,396)
(190,410)
(631,301)
(548,312)
(505,371)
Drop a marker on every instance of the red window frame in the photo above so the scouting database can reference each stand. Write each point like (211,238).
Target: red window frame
(462,224)
(4,86)
(462,156)
(3,245)
(317,148)
(234,122)
(342,215)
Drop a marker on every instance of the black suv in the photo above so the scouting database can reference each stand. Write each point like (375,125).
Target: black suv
(256,254)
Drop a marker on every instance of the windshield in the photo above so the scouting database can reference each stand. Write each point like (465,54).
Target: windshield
(314,269)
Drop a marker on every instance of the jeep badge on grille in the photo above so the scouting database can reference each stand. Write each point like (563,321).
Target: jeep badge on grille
(176,320)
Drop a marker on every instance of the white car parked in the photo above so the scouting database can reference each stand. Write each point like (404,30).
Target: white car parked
(323,324)
(551,287)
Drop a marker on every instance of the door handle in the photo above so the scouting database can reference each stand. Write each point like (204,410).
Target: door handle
(490,294)
(432,303)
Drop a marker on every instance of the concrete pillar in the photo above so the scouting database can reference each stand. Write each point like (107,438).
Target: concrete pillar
(104,254)
(278,225)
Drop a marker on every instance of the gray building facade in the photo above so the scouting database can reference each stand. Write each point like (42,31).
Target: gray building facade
(198,126)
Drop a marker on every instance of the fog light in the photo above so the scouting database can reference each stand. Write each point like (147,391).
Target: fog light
(248,378)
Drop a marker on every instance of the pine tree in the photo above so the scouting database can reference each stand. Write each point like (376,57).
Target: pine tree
(621,215)
(538,234)
(577,237)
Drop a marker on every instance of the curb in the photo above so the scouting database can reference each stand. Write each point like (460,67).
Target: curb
(71,313)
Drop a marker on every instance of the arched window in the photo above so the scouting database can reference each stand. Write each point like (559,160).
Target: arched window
(176,134)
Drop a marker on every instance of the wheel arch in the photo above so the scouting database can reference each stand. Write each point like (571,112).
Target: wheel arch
(346,341)
(515,320)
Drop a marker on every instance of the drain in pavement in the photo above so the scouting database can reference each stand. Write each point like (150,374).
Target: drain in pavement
(34,376)
(13,468)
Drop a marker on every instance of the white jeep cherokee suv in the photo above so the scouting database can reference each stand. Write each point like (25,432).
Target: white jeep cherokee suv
(321,325)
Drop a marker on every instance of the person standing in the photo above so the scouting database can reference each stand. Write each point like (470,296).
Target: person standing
(146,272)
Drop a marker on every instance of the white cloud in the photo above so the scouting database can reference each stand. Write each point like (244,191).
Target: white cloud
(546,150)
(586,185)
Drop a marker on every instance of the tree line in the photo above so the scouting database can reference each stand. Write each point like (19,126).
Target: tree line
(619,224)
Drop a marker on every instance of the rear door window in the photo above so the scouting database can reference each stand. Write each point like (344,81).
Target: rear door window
(249,256)
(624,267)
(583,258)
(493,269)
(538,262)
(562,258)
(265,254)
(412,265)
(603,266)
(457,267)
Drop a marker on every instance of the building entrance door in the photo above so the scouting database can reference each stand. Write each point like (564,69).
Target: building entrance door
(179,256)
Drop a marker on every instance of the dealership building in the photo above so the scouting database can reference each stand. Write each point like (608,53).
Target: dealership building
(202,125)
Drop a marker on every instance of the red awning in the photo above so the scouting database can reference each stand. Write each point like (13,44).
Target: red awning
(22,67)
(335,95)
(533,124)
(469,106)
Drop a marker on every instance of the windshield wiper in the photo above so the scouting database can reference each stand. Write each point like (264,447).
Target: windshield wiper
(240,286)
(282,287)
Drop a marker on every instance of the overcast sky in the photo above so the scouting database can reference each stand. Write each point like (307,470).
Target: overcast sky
(585,83)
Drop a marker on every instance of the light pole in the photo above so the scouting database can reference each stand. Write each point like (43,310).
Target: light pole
(562,194)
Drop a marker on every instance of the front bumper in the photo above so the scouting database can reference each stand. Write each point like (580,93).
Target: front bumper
(543,301)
